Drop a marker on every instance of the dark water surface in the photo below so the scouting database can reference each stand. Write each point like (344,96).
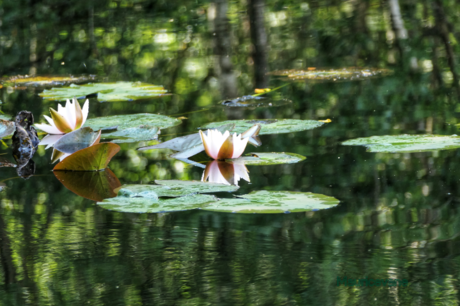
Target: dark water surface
(398,217)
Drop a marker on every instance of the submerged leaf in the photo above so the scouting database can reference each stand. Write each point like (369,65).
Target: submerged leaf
(77,140)
(344,74)
(273,202)
(155,205)
(270,126)
(94,185)
(132,128)
(264,159)
(107,92)
(406,143)
(92,158)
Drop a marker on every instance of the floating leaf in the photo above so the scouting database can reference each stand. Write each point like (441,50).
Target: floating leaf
(272,202)
(264,159)
(406,143)
(172,188)
(107,92)
(92,158)
(6,117)
(77,140)
(41,81)
(155,205)
(132,128)
(256,101)
(94,185)
(269,126)
(344,74)
(6,128)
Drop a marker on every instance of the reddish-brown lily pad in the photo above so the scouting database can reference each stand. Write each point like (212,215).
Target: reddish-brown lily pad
(95,186)
(93,158)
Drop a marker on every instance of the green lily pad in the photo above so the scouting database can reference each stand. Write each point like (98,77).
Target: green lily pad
(106,92)
(344,74)
(274,202)
(172,188)
(155,205)
(132,128)
(77,140)
(406,143)
(269,126)
(5,117)
(264,159)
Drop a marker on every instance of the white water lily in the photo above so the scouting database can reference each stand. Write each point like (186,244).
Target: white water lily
(65,119)
(225,173)
(223,146)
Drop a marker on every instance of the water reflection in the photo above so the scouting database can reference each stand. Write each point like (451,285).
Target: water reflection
(225,173)
(93,185)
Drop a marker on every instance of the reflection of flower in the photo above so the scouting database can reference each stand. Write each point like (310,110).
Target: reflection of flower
(66,119)
(223,146)
(225,173)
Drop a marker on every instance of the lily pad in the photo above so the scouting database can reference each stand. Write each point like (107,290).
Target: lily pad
(274,202)
(155,205)
(93,158)
(6,128)
(406,143)
(172,188)
(5,117)
(94,185)
(269,126)
(253,101)
(77,140)
(265,159)
(132,128)
(107,92)
(344,74)
(42,81)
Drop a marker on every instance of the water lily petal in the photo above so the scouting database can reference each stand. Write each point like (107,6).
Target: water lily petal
(60,122)
(63,111)
(252,131)
(78,114)
(49,140)
(84,112)
(238,145)
(226,150)
(71,116)
(213,174)
(48,128)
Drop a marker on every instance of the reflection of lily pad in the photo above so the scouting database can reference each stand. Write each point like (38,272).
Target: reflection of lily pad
(40,81)
(155,205)
(132,128)
(272,202)
(272,126)
(93,185)
(6,128)
(344,74)
(406,143)
(107,92)
(172,188)
(264,159)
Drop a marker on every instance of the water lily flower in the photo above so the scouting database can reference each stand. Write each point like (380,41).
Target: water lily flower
(223,146)
(225,173)
(65,119)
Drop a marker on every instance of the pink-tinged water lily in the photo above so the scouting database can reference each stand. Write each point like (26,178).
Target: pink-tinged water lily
(225,173)
(223,146)
(65,119)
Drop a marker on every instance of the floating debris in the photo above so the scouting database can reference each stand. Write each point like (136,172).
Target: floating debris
(344,74)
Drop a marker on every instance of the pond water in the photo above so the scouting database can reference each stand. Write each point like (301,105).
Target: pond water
(397,217)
